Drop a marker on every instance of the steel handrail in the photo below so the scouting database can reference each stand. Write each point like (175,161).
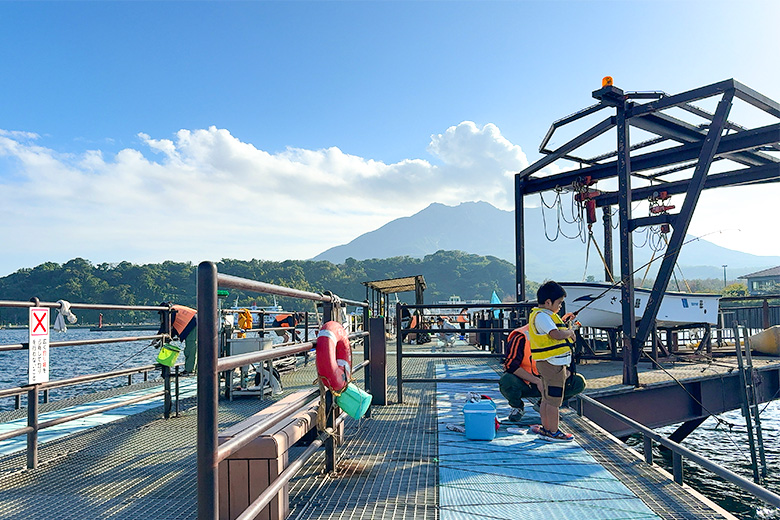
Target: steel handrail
(79,342)
(238,360)
(235,282)
(89,306)
(741,482)
(80,415)
(230,447)
(100,409)
(209,281)
(76,380)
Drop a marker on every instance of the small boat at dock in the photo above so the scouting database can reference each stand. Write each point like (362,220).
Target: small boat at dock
(604,308)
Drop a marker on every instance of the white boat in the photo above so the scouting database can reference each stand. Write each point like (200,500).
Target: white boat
(606,310)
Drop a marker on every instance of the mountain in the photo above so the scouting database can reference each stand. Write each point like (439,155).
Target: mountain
(481,228)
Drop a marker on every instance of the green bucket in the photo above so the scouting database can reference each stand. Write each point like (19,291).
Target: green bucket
(354,401)
(168,354)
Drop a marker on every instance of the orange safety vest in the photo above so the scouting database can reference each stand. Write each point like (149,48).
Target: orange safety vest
(463,317)
(517,343)
(283,320)
(182,318)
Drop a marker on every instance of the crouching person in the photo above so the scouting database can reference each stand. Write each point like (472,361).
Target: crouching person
(521,379)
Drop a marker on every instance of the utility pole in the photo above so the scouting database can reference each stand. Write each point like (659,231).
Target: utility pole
(724,275)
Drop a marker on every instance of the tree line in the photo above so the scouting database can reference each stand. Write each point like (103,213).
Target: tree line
(446,273)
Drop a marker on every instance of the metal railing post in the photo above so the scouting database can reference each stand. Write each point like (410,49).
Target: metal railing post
(208,504)
(32,421)
(367,379)
(399,359)
(327,309)
(177,391)
(677,467)
(647,448)
(330,441)
(166,374)
(377,368)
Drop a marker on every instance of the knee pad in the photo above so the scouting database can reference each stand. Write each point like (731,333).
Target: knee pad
(555,391)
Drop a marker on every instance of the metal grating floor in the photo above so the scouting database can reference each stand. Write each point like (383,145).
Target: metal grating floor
(143,466)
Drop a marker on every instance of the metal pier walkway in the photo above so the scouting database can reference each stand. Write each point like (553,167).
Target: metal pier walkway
(401,463)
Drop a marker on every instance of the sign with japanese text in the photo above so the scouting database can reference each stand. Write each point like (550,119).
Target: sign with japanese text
(38,356)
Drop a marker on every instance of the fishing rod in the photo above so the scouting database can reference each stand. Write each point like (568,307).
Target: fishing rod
(619,282)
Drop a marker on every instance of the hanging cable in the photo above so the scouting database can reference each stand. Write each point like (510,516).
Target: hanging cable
(587,256)
(720,421)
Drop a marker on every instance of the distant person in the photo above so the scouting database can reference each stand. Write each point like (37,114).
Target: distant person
(552,343)
(183,323)
(463,319)
(521,378)
(444,324)
(406,320)
(287,321)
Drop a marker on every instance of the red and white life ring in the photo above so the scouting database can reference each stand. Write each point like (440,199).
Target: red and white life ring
(334,356)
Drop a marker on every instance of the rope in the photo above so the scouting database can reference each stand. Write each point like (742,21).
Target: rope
(603,261)
(135,354)
(587,254)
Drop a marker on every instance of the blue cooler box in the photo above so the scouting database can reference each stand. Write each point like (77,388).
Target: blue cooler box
(480,420)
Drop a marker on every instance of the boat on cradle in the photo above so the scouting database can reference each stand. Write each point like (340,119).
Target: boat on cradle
(605,311)
(767,341)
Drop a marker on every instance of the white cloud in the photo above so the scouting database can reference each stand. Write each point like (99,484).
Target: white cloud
(205,194)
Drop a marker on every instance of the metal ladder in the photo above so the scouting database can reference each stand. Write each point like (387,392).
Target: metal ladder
(750,404)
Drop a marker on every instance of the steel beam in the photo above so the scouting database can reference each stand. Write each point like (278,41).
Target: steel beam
(608,270)
(575,143)
(747,140)
(565,121)
(683,97)
(519,239)
(652,221)
(683,132)
(748,95)
(630,376)
(755,175)
(683,218)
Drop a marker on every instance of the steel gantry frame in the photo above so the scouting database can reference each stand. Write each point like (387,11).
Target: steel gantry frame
(690,147)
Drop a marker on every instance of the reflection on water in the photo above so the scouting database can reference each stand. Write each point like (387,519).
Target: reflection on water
(66,362)
(729,447)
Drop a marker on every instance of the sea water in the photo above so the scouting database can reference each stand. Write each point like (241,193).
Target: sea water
(72,361)
(725,445)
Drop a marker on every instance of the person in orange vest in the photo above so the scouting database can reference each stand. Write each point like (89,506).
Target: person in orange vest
(521,378)
(183,325)
(287,321)
(463,319)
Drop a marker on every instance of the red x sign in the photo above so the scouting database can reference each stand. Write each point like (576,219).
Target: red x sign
(39,321)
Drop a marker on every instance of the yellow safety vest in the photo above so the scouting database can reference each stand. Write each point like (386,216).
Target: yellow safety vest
(542,345)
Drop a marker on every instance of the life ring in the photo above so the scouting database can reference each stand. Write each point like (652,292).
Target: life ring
(334,356)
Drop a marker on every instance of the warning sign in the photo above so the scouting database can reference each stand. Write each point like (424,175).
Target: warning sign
(38,359)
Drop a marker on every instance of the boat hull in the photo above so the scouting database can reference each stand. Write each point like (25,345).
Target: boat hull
(606,310)
(767,341)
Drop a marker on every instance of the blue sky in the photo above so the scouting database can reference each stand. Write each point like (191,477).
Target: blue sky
(147,131)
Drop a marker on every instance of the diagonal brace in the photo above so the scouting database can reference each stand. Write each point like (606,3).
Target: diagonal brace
(695,186)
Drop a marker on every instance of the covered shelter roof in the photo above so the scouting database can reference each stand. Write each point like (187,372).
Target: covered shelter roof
(378,288)
(396,285)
